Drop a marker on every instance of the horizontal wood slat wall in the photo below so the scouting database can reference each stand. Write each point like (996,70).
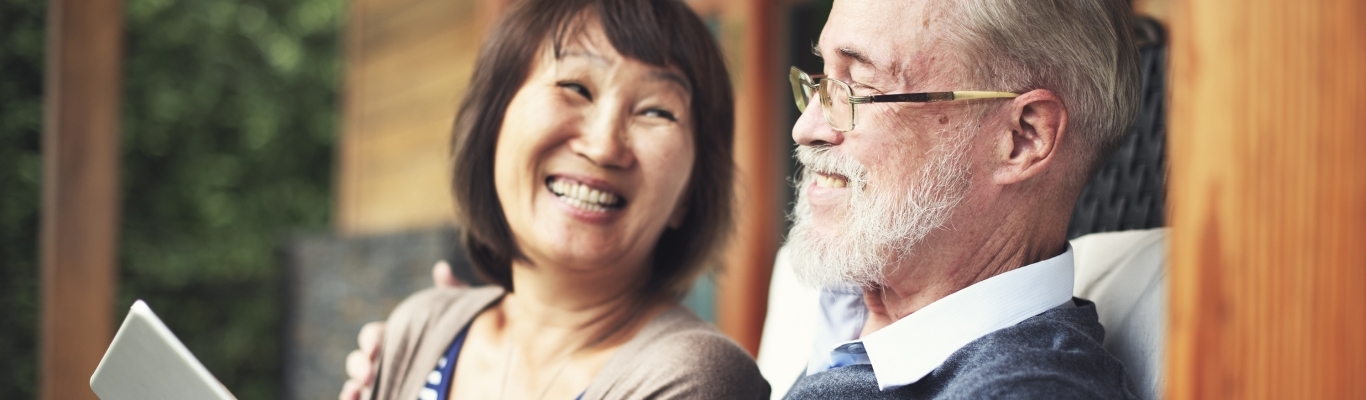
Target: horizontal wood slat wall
(1268,200)
(407,64)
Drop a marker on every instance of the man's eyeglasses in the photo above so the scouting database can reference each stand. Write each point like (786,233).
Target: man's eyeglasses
(838,100)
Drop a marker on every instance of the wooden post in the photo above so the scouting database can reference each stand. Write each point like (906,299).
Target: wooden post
(1268,200)
(80,192)
(742,290)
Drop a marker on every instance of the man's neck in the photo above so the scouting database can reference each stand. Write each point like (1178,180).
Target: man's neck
(943,267)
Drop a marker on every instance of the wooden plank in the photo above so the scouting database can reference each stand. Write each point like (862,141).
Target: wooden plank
(395,83)
(1268,200)
(80,192)
(408,62)
(760,151)
(1158,9)
(416,24)
(403,193)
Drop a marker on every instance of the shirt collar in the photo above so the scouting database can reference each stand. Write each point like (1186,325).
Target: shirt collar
(915,345)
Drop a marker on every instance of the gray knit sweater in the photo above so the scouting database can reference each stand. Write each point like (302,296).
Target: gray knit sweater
(1053,355)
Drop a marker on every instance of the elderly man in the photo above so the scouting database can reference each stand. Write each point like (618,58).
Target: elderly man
(943,149)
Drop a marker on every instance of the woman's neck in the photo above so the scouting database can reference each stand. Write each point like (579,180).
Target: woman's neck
(555,312)
(552,334)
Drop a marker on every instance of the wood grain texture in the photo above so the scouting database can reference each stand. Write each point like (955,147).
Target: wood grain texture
(78,244)
(407,65)
(1158,9)
(1268,200)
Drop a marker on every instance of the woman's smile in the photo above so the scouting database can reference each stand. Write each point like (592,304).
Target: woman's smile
(589,195)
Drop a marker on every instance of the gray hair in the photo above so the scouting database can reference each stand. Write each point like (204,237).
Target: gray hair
(1082,50)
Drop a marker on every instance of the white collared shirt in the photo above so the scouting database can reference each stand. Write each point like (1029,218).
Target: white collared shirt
(915,345)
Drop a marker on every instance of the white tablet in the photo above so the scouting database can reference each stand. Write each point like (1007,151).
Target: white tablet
(147,362)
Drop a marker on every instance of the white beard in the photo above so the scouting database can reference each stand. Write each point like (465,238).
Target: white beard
(881,225)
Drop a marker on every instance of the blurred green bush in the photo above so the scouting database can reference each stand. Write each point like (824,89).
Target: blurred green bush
(229,118)
(21,117)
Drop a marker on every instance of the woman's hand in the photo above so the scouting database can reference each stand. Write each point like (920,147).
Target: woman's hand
(361,364)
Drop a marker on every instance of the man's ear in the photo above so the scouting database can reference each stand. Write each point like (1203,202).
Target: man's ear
(1038,123)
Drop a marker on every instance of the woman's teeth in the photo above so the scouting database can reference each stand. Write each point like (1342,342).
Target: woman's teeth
(827,181)
(584,197)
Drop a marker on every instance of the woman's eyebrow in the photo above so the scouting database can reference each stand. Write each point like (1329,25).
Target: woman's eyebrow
(595,58)
(674,77)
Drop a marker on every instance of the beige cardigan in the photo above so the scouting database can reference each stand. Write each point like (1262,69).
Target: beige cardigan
(675,356)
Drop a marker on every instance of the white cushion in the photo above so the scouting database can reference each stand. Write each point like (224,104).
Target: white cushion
(789,328)
(1125,274)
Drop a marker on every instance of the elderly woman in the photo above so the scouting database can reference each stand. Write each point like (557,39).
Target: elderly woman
(592,177)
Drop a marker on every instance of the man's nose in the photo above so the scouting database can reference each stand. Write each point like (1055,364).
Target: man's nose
(604,140)
(811,129)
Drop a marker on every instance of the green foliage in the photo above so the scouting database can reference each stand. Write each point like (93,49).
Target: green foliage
(228,124)
(229,118)
(21,116)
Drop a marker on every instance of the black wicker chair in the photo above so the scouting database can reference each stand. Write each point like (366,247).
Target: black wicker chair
(1129,192)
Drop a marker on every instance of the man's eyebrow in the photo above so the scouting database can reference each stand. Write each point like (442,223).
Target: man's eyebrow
(860,58)
(856,55)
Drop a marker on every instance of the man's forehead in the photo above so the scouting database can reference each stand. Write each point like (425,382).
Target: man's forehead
(877,32)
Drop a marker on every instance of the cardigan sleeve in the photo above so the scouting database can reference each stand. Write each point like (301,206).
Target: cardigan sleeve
(701,365)
(681,360)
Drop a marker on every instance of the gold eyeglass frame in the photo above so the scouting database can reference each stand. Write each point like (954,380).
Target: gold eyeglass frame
(805,86)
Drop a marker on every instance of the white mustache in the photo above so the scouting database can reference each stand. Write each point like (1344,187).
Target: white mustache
(825,160)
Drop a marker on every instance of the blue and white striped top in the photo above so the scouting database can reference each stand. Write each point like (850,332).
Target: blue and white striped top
(438,383)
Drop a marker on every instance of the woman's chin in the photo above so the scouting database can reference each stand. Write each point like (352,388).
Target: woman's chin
(577,260)
(577,247)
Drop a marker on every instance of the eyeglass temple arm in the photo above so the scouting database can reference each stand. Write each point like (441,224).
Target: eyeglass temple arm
(933,97)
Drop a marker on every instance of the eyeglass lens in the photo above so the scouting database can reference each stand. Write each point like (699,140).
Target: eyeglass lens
(801,88)
(839,112)
(834,96)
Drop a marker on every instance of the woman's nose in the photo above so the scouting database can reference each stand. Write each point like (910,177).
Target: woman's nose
(811,129)
(604,141)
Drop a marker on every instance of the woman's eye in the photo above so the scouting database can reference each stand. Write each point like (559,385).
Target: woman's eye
(577,88)
(655,112)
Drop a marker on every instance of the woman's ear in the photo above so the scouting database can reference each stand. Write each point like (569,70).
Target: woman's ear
(1038,123)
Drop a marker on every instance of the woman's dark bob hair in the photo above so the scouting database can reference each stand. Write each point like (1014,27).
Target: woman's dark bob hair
(664,33)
